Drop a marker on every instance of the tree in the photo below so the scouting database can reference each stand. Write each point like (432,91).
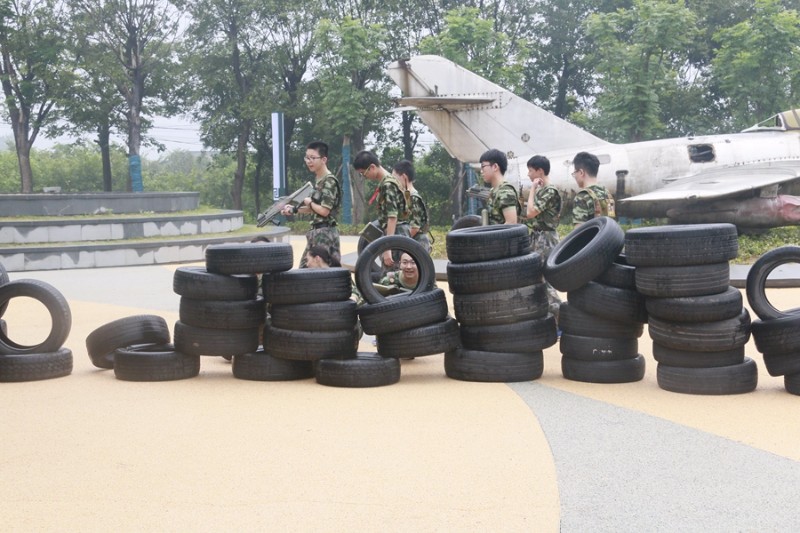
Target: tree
(33,73)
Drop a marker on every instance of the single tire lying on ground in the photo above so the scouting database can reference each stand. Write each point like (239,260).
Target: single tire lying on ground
(154,362)
(486,243)
(616,371)
(732,379)
(681,245)
(363,370)
(248,258)
(53,301)
(138,329)
(261,366)
(35,366)
(756,283)
(198,283)
(493,367)
(363,269)
(792,383)
(777,335)
(598,348)
(403,312)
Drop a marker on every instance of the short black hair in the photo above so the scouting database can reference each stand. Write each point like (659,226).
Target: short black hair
(405,167)
(323,253)
(586,162)
(364,159)
(319,146)
(260,238)
(495,156)
(540,162)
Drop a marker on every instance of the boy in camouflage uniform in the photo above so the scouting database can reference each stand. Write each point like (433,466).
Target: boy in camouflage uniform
(322,204)
(592,200)
(418,223)
(503,203)
(392,206)
(542,216)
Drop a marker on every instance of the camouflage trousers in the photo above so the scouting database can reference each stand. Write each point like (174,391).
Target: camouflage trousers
(543,242)
(326,236)
(425,240)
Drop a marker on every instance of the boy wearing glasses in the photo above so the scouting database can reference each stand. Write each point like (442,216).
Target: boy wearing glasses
(503,203)
(592,200)
(322,204)
(418,221)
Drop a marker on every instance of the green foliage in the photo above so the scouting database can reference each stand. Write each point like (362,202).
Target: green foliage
(753,246)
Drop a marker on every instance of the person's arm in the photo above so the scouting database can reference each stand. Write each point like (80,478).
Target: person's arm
(315,209)
(532,211)
(391,226)
(510,215)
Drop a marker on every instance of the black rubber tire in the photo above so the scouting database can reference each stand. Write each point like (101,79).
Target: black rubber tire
(705,308)
(680,281)
(595,298)
(486,243)
(619,274)
(248,257)
(432,339)
(197,283)
(714,336)
(403,312)
(307,286)
(261,366)
(584,254)
(681,245)
(53,301)
(598,348)
(363,269)
(213,341)
(618,371)
(756,283)
(792,383)
(127,331)
(323,316)
(520,337)
(154,362)
(501,307)
(493,367)
(692,359)
(732,379)
(780,364)
(497,275)
(364,370)
(222,314)
(467,221)
(35,366)
(3,280)
(778,335)
(572,320)
(309,345)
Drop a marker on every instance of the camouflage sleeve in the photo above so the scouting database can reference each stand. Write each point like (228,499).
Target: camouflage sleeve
(418,218)
(544,198)
(391,279)
(506,197)
(583,208)
(391,201)
(329,193)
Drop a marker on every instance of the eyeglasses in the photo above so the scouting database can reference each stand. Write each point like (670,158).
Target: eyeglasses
(484,165)
(312,157)
(407,263)
(363,172)
(575,172)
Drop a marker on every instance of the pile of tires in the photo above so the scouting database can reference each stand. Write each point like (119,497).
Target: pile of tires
(696,319)
(604,315)
(500,303)
(776,333)
(405,325)
(47,359)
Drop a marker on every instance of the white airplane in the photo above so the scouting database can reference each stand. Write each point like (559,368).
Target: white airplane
(743,178)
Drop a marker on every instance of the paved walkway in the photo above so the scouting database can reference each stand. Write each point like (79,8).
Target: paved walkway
(88,452)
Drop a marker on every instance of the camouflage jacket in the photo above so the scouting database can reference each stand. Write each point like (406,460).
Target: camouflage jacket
(327,193)
(587,201)
(418,217)
(391,201)
(501,197)
(547,201)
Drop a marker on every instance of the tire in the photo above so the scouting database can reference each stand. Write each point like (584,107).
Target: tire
(154,362)
(56,305)
(467,221)
(782,364)
(487,243)
(403,312)
(493,367)
(138,329)
(496,275)
(248,258)
(432,339)
(363,370)
(681,245)
(598,348)
(702,336)
(792,383)
(309,346)
(427,273)
(3,280)
(35,366)
(619,274)
(521,337)
(733,379)
(619,371)
(501,307)
(778,335)
(756,283)
(213,341)
(692,359)
(261,366)
(572,320)
(222,314)
(323,316)
(199,284)
(307,286)
(595,298)
(706,308)
(584,254)
(680,281)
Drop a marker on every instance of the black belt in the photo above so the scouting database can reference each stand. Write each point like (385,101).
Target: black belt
(322,225)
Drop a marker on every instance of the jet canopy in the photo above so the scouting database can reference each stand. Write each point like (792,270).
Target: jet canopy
(783,121)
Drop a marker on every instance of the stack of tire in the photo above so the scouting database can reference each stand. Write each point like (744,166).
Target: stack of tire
(500,302)
(405,326)
(603,317)
(696,319)
(47,359)
(312,319)
(776,333)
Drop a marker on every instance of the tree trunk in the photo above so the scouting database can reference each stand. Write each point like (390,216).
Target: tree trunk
(457,190)
(408,142)
(103,141)
(25,171)
(241,163)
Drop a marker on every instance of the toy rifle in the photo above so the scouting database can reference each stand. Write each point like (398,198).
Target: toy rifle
(295,199)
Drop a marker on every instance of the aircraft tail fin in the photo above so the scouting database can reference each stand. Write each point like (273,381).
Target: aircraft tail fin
(469,114)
